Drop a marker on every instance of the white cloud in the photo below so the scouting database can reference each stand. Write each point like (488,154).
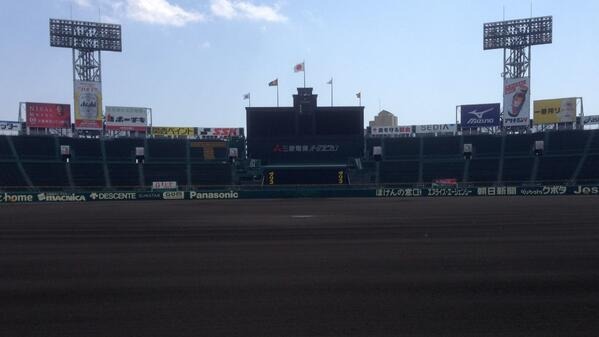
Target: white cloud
(166,12)
(161,12)
(230,9)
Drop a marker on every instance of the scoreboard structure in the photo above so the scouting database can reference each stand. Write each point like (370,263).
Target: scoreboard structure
(305,144)
(305,133)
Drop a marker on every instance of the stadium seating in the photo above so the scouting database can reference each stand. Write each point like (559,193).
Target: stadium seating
(88,175)
(165,172)
(399,172)
(521,144)
(594,146)
(82,148)
(122,149)
(166,150)
(484,146)
(589,172)
(556,169)
(398,148)
(442,146)
(405,161)
(453,169)
(11,177)
(517,170)
(565,142)
(483,171)
(123,175)
(211,174)
(5,150)
(50,175)
(36,147)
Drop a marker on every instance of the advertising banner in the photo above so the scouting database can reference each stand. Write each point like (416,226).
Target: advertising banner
(126,118)
(383,192)
(516,102)
(391,131)
(553,111)
(48,116)
(480,115)
(219,133)
(88,105)
(173,131)
(590,120)
(9,126)
(436,128)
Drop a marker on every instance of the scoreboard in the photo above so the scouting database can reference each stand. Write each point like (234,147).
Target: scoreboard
(305,132)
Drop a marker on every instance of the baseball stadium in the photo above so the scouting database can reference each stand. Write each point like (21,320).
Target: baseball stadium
(307,221)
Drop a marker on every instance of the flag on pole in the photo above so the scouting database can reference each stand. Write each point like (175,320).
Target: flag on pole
(331,81)
(274,83)
(359,95)
(246,96)
(299,67)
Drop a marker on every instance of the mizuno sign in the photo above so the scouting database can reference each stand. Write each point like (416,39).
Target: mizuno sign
(480,115)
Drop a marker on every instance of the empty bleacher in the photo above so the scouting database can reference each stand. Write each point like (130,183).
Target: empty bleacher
(36,147)
(122,149)
(166,150)
(399,172)
(165,172)
(566,142)
(556,169)
(589,172)
(483,171)
(5,150)
(11,177)
(517,170)
(51,175)
(88,175)
(521,144)
(400,148)
(83,149)
(123,175)
(204,163)
(450,169)
(484,146)
(211,174)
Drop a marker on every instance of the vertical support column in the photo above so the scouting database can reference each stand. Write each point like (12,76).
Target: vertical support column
(18,162)
(107,181)
(501,160)
(420,161)
(188,163)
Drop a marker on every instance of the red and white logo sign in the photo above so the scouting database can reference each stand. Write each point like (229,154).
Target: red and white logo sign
(48,116)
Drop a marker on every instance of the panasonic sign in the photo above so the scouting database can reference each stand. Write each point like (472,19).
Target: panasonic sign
(213,195)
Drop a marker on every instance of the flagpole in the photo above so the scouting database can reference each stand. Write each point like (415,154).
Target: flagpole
(331,91)
(304,73)
(277,93)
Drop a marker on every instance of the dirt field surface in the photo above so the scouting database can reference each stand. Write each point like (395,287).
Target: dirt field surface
(309,267)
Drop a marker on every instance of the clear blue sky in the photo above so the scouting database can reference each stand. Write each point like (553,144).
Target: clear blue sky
(192,60)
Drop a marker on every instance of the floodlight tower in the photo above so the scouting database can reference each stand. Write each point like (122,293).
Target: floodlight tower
(87,40)
(516,37)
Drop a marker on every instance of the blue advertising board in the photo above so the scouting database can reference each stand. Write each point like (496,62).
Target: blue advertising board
(480,115)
